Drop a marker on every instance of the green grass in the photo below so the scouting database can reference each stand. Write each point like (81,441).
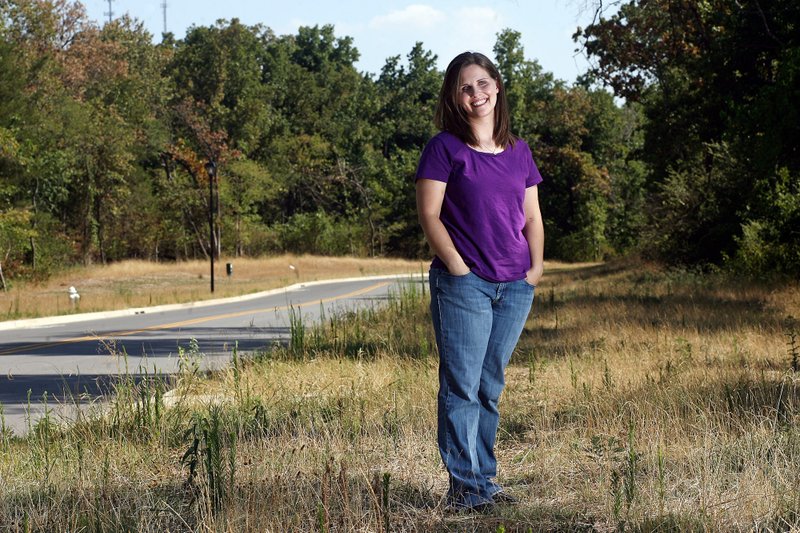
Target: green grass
(638,399)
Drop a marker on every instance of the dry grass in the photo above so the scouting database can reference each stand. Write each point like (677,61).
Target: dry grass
(638,399)
(141,283)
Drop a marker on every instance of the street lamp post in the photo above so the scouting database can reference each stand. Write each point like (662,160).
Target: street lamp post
(211,170)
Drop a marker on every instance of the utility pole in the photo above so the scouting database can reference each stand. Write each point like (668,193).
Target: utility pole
(110,13)
(164,7)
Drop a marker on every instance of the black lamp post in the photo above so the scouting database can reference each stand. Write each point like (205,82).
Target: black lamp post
(211,170)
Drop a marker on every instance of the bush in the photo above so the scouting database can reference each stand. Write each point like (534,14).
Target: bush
(322,234)
(770,242)
(18,235)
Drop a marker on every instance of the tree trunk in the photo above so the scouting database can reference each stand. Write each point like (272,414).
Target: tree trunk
(87,221)
(33,225)
(98,215)
(33,251)
(238,252)
(201,242)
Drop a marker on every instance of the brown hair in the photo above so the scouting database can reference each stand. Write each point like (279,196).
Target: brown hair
(450,116)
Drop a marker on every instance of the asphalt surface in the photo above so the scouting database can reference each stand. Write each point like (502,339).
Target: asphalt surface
(72,360)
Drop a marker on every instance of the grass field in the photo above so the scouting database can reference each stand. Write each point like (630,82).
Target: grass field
(143,283)
(638,399)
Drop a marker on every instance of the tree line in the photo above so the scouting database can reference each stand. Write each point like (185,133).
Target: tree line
(105,137)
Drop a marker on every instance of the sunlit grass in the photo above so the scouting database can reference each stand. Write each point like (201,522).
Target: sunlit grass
(638,399)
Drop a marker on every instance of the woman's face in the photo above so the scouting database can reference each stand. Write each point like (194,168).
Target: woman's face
(477,92)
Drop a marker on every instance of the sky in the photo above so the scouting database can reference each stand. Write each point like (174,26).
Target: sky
(381,29)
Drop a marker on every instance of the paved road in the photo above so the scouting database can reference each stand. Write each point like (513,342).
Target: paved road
(79,356)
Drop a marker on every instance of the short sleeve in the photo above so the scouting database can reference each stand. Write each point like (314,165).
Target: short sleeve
(533,177)
(435,162)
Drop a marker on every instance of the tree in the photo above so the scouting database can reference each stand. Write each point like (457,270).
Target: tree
(407,95)
(528,87)
(571,131)
(199,144)
(221,68)
(718,83)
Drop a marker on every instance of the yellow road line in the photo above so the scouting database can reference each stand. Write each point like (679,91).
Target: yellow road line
(192,321)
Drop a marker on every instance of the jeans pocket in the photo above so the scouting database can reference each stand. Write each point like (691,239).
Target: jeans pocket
(446,273)
(445,280)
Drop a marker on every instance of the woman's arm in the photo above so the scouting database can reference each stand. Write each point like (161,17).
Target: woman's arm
(534,233)
(430,195)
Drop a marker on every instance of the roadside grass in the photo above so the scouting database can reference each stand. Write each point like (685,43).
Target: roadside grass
(638,399)
(135,283)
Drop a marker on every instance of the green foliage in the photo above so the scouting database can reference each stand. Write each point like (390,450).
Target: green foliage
(408,96)
(23,234)
(15,235)
(580,140)
(771,243)
(321,233)
(529,89)
(696,212)
(627,214)
(104,137)
(718,84)
(210,437)
(312,156)
(248,187)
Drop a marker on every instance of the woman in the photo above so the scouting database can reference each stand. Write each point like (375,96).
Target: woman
(478,205)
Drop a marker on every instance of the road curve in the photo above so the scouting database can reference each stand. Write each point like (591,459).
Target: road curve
(74,358)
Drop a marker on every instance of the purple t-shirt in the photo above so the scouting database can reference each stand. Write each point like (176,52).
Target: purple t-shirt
(483,203)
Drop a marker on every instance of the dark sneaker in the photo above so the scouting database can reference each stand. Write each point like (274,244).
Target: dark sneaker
(504,498)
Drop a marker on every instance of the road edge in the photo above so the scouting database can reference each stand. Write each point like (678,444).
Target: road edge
(81,317)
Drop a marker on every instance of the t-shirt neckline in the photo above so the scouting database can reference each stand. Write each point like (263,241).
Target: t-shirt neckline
(475,150)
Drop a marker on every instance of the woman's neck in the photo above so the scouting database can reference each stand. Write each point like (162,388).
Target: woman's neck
(484,134)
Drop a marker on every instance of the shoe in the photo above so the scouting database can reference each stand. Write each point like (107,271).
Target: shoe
(504,498)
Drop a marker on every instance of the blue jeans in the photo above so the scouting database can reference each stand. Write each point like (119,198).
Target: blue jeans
(477,325)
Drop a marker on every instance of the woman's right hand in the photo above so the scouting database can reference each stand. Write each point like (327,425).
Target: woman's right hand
(458,269)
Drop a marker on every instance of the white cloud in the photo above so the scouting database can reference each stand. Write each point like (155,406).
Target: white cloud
(415,16)
(477,18)
(475,29)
